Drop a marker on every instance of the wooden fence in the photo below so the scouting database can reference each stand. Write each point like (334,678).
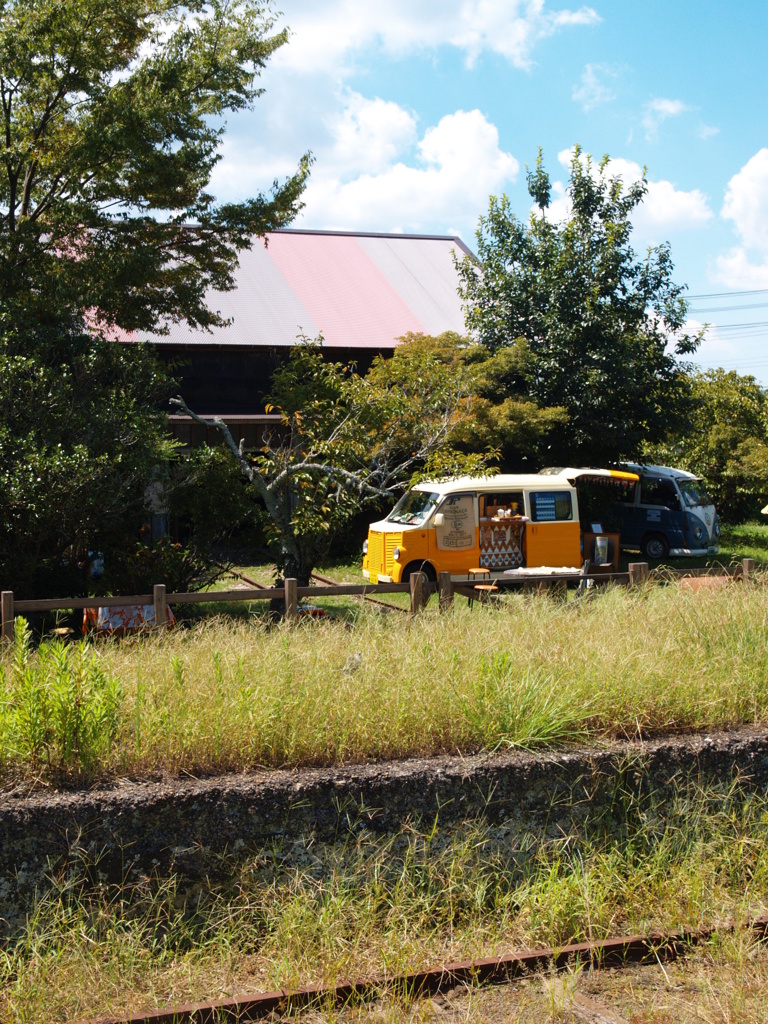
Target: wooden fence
(418,588)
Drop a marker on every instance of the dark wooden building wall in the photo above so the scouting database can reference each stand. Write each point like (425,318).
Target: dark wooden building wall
(231,380)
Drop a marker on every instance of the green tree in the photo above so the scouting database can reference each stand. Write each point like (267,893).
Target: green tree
(502,419)
(78,443)
(726,442)
(595,321)
(347,442)
(81,446)
(111,118)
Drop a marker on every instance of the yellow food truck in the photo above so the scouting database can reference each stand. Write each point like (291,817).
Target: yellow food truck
(494,523)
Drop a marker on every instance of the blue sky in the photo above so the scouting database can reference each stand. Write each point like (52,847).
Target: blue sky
(417,111)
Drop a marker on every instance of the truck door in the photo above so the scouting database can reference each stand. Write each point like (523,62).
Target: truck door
(553,535)
(453,546)
(660,510)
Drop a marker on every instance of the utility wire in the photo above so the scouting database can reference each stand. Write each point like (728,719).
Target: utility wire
(728,309)
(728,295)
(737,327)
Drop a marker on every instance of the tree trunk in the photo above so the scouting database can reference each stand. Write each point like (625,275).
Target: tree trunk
(296,566)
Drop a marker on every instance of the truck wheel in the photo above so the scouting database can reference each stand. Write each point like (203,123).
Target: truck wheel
(655,547)
(425,567)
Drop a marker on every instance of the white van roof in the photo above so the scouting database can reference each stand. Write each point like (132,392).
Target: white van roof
(668,471)
(549,479)
(500,482)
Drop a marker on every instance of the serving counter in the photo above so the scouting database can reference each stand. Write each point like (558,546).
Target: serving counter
(502,542)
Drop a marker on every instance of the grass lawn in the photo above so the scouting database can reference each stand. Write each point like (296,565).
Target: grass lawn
(750,540)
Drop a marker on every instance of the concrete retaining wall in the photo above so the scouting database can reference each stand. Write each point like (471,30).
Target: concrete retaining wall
(136,827)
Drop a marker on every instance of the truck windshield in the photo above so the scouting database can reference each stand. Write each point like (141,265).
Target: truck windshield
(413,507)
(693,492)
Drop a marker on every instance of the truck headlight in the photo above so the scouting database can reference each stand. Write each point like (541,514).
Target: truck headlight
(365,547)
(396,554)
(696,529)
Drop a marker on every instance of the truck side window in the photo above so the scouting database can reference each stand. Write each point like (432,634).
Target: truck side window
(550,506)
(659,492)
(491,503)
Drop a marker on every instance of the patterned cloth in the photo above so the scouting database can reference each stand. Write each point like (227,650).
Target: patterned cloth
(122,619)
(501,543)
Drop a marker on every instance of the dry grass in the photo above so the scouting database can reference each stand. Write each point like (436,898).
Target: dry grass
(726,983)
(371,906)
(234,694)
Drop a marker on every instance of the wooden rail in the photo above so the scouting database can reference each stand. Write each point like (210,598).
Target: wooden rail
(290,594)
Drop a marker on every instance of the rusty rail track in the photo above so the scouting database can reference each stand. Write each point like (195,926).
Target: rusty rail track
(654,947)
(328,582)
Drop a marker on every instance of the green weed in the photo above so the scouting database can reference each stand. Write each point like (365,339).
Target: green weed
(60,712)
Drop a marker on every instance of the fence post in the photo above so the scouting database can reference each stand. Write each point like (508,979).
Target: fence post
(748,567)
(445,590)
(418,579)
(291,600)
(638,573)
(6,600)
(160,604)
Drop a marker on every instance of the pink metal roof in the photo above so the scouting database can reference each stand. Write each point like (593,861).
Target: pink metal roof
(358,290)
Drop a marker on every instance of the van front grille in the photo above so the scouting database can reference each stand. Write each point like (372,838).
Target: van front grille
(391,540)
(375,551)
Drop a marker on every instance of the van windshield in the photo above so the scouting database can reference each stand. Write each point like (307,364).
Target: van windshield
(413,507)
(694,492)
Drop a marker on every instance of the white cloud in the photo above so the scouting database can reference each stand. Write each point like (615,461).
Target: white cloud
(327,35)
(376,167)
(658,111)
(664,208)
(714,347)
(746,204)
(362,145)
(706,131)
(735,269)
(372,133)
(592,90)
(457,164)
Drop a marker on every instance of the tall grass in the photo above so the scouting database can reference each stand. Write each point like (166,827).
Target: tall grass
(230,695)
(59,710)
(381,905)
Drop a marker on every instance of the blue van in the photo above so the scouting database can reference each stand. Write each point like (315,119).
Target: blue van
(668,513)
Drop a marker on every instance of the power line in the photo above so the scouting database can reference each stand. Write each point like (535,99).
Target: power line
(753,325)
(728,295)
(728,309)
